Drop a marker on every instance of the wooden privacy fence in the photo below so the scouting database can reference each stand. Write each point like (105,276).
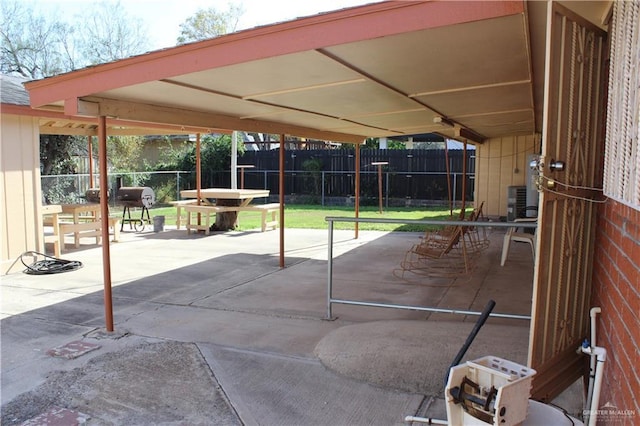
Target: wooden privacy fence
(323,174)
(311,176)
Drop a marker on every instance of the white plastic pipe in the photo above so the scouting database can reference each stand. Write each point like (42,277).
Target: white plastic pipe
(593,312)
(592,362)
(410,419)
(601,356)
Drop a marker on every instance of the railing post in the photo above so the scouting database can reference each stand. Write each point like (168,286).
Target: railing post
(330,270)
(331,300)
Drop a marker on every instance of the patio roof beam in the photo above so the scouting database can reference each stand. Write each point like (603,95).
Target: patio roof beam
(278,106)
(477,138)
(161,114)
(374,80)
(304,88)
(468,135)
(77,131)
(493,113)
(467,88)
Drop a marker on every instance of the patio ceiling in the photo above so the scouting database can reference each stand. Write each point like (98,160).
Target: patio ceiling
(385,69)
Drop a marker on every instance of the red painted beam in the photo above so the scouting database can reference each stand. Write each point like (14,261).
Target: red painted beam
(318,31)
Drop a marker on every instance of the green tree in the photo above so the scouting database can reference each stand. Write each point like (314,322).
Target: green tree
(391,144)
(56,153)
(124,152)
(209,23)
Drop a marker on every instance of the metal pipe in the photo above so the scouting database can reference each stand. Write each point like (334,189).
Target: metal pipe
(323,183)
(380,187)
(178,186)
(357,188)
(281,199)
(410,419)
(234,159)
(531,225)
(464,180)
(330,272)
(198,177)
(386,189)
(90,149)
(426,309)
(104,212)
(198,170)
(448,167)
(331,300)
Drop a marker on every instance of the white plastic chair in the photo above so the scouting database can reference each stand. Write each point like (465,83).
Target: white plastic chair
(524,237)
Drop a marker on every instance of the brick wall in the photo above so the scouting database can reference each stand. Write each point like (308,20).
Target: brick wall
(616,289)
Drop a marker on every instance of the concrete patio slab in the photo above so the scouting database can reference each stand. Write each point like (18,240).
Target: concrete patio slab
(261,330)
(272,389)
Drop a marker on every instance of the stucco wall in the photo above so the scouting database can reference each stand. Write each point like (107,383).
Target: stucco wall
(20,182)
(616,284)
(500,163)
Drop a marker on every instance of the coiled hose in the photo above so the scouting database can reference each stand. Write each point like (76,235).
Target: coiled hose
(48,265)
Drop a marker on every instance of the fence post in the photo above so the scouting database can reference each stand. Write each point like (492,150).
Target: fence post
(455,187)
(386,189)
(177,185)
(322,183)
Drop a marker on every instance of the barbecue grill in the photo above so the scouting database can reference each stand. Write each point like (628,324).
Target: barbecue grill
(136,196)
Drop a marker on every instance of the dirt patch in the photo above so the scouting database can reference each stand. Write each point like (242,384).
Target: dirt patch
(158,383)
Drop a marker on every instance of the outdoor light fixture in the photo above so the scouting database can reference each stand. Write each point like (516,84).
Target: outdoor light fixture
(442,121)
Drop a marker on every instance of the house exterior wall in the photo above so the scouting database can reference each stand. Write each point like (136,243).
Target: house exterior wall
(20,196)
(500,163)
(616,272)
(616,284)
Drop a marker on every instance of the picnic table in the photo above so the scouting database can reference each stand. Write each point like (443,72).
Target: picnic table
(224,202)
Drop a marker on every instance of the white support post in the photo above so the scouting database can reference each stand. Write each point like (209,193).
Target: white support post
(234,160)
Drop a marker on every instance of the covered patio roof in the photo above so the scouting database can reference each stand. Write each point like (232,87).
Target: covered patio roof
(468,70)
(461,69)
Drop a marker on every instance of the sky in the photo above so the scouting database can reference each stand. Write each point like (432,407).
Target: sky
(162,18)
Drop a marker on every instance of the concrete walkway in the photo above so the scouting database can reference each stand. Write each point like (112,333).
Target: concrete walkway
(209,330)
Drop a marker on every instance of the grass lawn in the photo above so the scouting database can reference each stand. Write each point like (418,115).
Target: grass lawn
(313,217)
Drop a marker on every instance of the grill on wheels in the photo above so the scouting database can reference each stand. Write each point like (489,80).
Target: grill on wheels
(135,196)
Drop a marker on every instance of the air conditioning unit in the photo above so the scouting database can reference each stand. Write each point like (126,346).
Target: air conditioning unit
(516,202)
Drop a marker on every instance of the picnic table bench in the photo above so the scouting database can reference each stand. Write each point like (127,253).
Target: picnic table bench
(179,205)
(199,217)
(81,220)
(228,203)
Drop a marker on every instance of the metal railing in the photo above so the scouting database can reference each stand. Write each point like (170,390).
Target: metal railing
(331,300)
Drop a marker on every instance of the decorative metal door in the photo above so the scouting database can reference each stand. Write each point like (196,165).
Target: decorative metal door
(569,167)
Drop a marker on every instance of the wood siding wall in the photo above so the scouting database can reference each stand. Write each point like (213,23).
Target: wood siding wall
(21,223)
(500,163)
